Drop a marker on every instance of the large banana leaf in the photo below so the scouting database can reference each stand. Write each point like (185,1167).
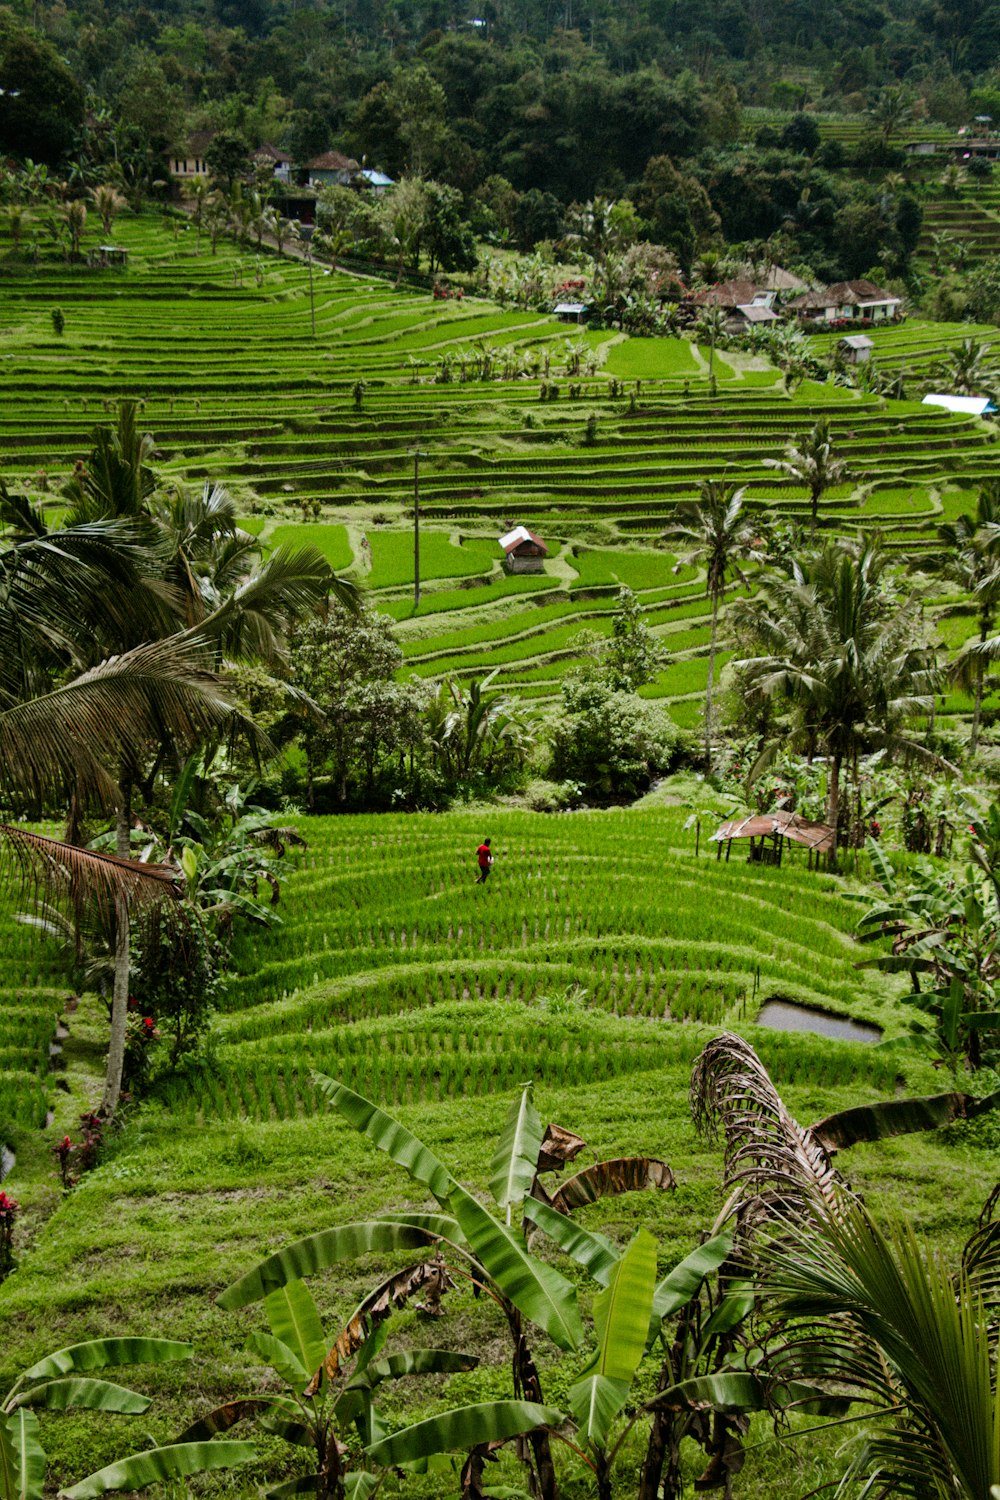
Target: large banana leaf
(22,1462)
(283,1361)
(623,1310)
(595,1402)
(94,1395)
(512,1170)
(97,1354)
(536,1290)
(389,1136)
(680,1284)
(462,1428)
(294,1321)
(225,1417)
(889,1117)
(158,1464)
(317,1252)
(415,1362)
(732,1391)
(360,1485)
(304,1485)
(607,1179)
(589,1249)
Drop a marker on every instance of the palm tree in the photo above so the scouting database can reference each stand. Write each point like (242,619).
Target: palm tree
(891,110)
(813,465)
(847,659)
(712,532)
(109,203)
(74,216)
(196,596)
(880,1315)
(866,1313)
(197,191)
(969,369)
(711,327)
(971,559)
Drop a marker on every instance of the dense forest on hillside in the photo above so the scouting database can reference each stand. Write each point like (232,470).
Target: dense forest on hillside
(569,99)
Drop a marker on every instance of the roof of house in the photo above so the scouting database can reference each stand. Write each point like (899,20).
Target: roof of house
(376,179)
(755,312)
(511,540)
(198,142)
(799,830)
(858,341)
(571,307)
(974,406)
(332,161)
(845,294)
(738,293)
(271,153)
(776,279)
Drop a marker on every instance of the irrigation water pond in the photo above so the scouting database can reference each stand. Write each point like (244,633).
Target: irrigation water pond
(785,1015)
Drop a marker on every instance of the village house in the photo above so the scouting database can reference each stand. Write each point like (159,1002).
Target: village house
(744,303)
(331,169)
(850,301)
(279,162)
(190,162)
(524,552)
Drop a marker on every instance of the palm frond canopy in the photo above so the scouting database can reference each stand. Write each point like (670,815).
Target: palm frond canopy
(84,877)
(161,692)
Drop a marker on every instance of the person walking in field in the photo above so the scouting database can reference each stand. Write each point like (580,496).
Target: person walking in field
(485,858)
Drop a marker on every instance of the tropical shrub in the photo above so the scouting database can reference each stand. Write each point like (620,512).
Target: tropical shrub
(610,743)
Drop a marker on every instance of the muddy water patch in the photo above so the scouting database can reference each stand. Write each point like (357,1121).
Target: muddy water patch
(786,1015)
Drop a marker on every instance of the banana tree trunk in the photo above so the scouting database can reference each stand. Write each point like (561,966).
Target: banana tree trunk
(119,994)
(528,1385)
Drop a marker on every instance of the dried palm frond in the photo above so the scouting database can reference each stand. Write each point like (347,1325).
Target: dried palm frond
(85,879)
(772,1162)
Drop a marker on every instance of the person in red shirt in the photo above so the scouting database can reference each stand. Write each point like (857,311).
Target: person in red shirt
(485,858)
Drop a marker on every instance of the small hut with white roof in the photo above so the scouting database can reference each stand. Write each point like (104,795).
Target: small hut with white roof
(524,551)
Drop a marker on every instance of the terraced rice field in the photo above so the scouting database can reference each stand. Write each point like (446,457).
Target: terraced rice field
(317,439)
(439,998)
(398,972)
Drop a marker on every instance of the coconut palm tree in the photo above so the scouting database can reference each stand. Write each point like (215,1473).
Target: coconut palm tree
(971,559)
(149,653)
(713,532)
(890,1323)
(848,660)
(74,217)
(969,369)
(711,329)
(813,465)
(108,203)
(873,1315)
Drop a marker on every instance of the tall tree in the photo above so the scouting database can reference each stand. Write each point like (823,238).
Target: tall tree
(971,559)
(197,594)
(849,660)
(713,533)
(813,465)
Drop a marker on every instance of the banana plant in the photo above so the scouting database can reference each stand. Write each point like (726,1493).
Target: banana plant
(330,1388)
(65,1380)
(464,1240)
